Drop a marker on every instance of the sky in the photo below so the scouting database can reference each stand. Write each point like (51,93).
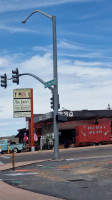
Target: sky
(84,55)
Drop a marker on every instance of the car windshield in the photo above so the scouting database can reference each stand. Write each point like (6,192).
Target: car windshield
(2,141)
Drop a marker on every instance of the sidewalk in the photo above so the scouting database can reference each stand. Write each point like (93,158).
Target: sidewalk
(9,192)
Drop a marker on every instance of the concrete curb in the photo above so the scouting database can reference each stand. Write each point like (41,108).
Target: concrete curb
(19,164)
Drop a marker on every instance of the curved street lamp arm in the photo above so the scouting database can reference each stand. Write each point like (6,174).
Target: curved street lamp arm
(24,21)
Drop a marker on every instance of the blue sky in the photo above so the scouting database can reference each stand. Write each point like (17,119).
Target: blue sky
(84,53)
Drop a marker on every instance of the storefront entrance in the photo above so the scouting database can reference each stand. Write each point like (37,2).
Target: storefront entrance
(67,138)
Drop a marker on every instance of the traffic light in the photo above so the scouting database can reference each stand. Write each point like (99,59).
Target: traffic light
(15,76)
(52,101)
(4,81)
(58,102)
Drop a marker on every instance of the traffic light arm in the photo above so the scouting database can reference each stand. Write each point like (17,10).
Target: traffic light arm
(39,79)
(4,79)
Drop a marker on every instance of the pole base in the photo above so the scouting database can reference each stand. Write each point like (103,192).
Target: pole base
(32,148)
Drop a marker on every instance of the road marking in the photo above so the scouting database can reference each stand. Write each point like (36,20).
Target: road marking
(7,157)
(70,159)
(25,170)
(89,157)
(7,179)
(17,182)
(1,163)
(20,174)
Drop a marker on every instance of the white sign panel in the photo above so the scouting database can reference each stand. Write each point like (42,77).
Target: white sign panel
(22,114)
(21,103)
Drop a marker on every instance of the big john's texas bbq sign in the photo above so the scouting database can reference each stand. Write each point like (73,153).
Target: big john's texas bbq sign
(21,103)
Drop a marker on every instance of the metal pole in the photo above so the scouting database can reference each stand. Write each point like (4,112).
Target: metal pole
(56,133)
(55,91)
(13,160)
(32,136)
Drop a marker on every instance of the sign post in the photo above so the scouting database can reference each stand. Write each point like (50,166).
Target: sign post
(32,134)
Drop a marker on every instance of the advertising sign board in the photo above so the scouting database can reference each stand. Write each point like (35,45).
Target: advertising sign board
(93,133)
(21,103)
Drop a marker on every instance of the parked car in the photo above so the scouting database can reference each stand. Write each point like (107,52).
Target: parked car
(5,145)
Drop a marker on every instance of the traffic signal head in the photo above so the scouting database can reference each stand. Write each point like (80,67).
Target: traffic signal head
(15,76)
(4,81)
(52,101)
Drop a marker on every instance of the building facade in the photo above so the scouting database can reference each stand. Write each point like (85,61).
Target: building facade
(43,127)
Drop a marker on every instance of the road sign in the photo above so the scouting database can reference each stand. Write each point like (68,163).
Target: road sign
(21,103)
(49,83)
(61,118)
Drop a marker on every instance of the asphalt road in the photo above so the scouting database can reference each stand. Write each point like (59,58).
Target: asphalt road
(71,179)
(105,150)
(80,174)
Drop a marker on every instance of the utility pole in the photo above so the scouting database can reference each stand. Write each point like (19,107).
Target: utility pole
(55,76)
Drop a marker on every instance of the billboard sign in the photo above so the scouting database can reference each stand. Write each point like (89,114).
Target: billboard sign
(21,103)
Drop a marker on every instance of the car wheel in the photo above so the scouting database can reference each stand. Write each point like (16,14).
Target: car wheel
(93,144)
(15,150)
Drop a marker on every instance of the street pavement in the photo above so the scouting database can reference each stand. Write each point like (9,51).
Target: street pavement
(7,191)
(73,178)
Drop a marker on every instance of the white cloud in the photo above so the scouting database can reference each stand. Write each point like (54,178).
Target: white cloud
(85,98)
(46,49)
(88,16)
(70,45)
(27,4)
(82,84)
(4,62)
(76,50)
(14,29)
(7,123)
(43,65)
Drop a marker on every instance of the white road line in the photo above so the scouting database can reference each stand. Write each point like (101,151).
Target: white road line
(21,174)
(89,157)
(70,159)
(1,163)
(7,157)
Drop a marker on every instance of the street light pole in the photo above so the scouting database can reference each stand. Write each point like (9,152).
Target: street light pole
(55,76)
(56,132)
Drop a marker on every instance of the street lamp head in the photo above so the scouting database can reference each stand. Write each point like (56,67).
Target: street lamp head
(24,21)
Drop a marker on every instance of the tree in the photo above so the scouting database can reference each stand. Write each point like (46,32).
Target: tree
(109,107)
